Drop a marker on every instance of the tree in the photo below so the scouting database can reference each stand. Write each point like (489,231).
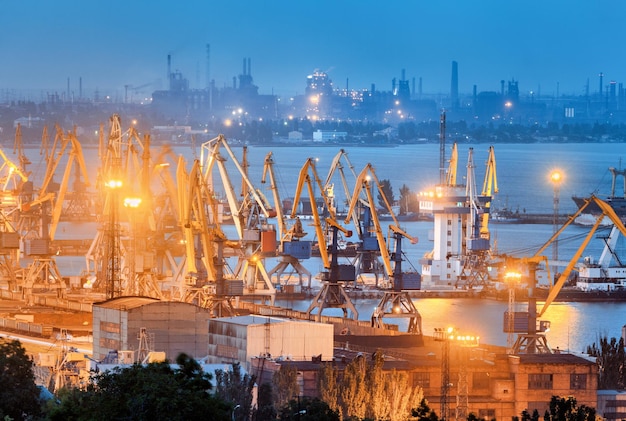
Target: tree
(328,386)
(365,391)
(307,409)
(611,361)
(408,200)
(154,391)
(423,412)
(232,387)
(285,382)
(19,395)
(566,409)
(266,410)
(353,391)
(387,190)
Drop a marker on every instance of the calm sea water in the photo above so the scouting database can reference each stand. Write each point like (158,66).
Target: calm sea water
(523,181)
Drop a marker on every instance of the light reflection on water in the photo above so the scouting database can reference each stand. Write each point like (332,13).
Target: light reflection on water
(574,326)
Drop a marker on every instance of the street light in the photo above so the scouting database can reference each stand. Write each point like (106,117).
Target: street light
(557,178)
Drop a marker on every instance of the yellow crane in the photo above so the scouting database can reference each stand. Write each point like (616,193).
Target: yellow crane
(257,237)
(490,187)
(531,338)
(332,293)
(292,248)
(395,302)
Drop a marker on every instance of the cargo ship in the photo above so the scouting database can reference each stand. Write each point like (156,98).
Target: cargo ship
(618,203)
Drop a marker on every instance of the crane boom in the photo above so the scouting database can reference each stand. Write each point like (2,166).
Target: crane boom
(607,210)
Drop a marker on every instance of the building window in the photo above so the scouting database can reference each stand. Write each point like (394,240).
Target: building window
(540,381)
(480,380)
(421,379)
(487,414)
(577,381)
(449,243)
(448,265)
(449,222)
(539,406)
(449,233)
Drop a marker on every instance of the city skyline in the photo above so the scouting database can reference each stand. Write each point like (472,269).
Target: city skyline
(553,48)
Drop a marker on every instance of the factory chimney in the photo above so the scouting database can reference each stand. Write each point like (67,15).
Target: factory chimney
(169,71)
(208,66)
(454,88)
(600,90)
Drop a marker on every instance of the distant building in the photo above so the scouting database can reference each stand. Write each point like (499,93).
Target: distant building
(329,136)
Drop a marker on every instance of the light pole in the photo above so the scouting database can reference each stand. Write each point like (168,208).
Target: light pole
(556,177)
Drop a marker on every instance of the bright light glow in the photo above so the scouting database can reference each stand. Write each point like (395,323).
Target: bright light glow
(113,184)
(132,202)
(556,176)
(512,277)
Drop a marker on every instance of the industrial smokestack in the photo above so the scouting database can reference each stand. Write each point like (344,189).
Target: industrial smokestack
(454,86)
(208,66)
(403,74)
(600,90)
(244,66)
(249,66)
(169,71)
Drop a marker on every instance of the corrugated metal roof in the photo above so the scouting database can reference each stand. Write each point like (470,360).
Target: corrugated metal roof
(126,302)
(252,319)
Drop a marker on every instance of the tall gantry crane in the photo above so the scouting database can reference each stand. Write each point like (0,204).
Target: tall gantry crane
(292,247)
(250,215)
(476,238)
(119,260)
(335,275)
(395,302)
(12,181)
(205,278)
(531,337)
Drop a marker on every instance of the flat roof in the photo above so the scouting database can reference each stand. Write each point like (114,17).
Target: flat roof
(124,303)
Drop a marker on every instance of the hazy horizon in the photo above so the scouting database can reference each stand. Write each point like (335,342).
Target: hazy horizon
(549,47)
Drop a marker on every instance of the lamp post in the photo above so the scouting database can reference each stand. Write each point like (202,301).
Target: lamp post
(132,203)
(112,287)
(556,177)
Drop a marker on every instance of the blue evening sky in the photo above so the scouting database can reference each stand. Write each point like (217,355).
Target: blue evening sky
(544,44)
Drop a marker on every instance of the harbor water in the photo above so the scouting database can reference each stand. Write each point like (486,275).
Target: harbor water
(523,185)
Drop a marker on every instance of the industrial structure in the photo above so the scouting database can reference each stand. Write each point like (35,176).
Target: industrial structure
(158,274)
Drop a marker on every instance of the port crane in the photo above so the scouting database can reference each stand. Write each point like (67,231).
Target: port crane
(332,294)
(250,216)
(395,302)
(531,337)
(12,180)
(292,247)
(205,280)
(368,249)
(477,245)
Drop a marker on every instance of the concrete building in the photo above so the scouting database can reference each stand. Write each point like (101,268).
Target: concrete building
(142,324)
(242,338)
